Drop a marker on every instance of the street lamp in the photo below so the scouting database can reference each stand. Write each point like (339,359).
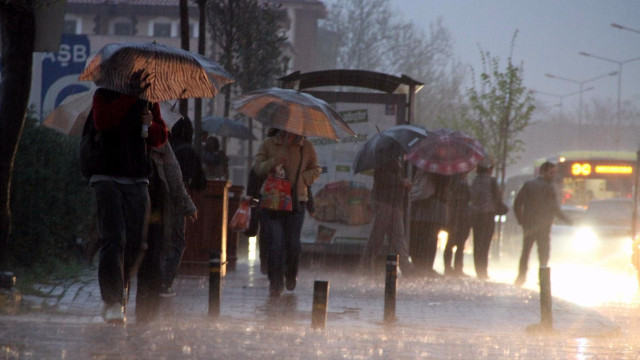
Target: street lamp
(618,26)
(581,83)
(620,63)
(561,97)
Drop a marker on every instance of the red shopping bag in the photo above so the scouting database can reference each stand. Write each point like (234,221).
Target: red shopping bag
(242,217)
(276,194)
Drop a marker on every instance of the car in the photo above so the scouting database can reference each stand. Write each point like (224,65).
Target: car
(601,232)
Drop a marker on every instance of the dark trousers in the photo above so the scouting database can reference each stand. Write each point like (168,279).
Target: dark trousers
(483,225)
(424,243)
(539,236)
(175,249)
(458,234)
(282,231)
(122,219)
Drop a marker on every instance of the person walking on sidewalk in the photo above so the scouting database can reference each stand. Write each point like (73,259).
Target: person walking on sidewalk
(428,216)
(169,199)
(192,177)
(297,157)
(535,207)
(483,211)
(458,224)
(389,193)
(119,173)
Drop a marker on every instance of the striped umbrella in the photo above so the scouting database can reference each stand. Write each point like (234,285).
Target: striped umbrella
(155,72)
(446,152)
(293,111)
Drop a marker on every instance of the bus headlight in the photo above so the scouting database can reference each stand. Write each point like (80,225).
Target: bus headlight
(585,239)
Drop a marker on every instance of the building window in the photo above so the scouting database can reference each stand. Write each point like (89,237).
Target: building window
(70,27)
(162,29)
(193,29)
(123,29)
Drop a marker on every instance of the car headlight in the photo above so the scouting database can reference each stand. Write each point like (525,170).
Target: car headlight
(585,239)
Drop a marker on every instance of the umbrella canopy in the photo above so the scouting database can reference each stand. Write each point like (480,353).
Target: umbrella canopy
(226,127)
(155,72)
(388,144)
(446,152)
(69,117)
(293,111)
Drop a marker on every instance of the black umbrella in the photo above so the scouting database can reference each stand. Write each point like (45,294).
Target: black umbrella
(226,127)
(388,144)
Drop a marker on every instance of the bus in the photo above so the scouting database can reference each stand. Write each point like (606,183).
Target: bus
(584,176)
(596,189)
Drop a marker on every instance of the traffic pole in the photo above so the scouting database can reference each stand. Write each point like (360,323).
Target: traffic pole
(546,316)
(320,304)
(390,288)
(214,284)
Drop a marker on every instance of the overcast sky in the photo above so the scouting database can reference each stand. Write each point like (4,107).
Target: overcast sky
(551,34)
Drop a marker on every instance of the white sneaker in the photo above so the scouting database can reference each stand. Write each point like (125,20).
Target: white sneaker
(114,314)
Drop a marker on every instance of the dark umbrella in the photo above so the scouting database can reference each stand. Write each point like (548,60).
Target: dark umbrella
(446,152)
(388,144)
(226,127)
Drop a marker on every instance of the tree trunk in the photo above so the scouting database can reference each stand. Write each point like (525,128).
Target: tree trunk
(17,27)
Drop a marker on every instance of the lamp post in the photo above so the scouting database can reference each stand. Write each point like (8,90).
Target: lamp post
(561,97)
(618,26)
(620,63)
(581,84)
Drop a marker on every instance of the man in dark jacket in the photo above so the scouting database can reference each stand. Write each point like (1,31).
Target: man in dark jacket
(120,177)
(535,207)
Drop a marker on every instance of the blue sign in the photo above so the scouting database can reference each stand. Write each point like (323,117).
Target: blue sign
(60,71)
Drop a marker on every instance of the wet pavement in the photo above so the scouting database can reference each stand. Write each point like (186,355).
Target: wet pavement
(448,318)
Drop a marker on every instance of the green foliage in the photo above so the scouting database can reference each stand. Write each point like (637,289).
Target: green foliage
(51,202)
(499,110)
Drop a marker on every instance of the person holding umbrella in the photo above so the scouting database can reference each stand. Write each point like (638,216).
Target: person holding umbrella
(389,192)
(439,155)
(297,157)
(119,175)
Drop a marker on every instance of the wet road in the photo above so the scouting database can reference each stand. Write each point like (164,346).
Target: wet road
(440,319)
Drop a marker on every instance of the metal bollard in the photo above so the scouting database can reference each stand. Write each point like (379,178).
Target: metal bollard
(214,284)
(391,285)
(546,317)
(320,304)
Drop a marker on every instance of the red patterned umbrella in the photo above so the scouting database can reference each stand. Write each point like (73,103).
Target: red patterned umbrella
(446,152)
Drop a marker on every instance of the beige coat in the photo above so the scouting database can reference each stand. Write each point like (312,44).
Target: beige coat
(273,149)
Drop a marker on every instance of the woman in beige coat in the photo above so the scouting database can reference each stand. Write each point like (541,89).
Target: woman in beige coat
(296,156)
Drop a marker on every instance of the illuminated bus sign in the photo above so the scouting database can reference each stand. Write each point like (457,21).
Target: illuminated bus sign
(586,169)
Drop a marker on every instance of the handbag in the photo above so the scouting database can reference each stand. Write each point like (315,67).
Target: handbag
(242,217)
(276,194)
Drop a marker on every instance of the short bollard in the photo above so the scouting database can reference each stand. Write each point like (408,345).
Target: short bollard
(546,317)
(320,302)
(214,284)
(391,285)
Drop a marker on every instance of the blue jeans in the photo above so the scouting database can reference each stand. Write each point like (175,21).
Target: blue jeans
(122,221)
(282,233)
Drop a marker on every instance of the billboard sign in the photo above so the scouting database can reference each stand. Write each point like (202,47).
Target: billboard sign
(343,219)
(60,71)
